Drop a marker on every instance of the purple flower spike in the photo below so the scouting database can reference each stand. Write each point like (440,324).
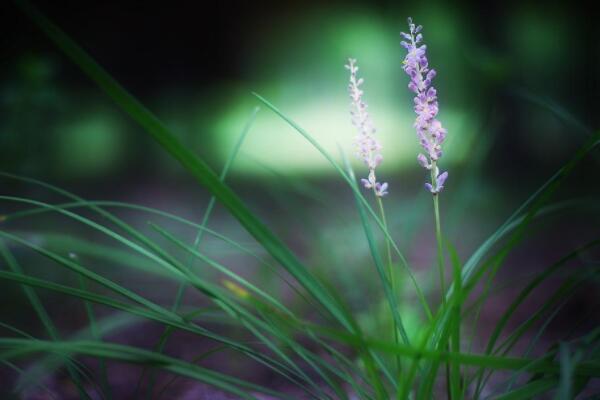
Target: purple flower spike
(367,146)
(430,132)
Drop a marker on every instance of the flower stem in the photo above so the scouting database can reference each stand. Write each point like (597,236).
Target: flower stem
(391,274)
(440,255)
(438,232)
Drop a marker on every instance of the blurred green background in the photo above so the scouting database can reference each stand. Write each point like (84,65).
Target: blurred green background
(195,66)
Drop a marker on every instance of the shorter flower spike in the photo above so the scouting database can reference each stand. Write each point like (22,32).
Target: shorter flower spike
(368,148)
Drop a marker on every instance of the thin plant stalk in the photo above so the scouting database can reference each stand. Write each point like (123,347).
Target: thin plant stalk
(440,256)
(438,235)
(391,275)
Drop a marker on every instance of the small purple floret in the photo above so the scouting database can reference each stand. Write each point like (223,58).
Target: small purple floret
(440,179)
(381,189)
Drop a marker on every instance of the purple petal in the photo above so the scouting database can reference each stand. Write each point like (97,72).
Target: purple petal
(431,74)
(381,189)
(441,179)
(423,161)
(377,160)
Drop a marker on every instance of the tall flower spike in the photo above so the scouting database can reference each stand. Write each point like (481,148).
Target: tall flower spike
(430,132)
(367,147)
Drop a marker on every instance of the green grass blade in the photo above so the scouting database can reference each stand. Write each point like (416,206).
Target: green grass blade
(533,203)
(212,201)
(195,360)
(135,261)
(42,314)
(587,368)
(381,270)
(224,270)
(95,333)
(528,289)
(130,354)
(563,292)
(530,390)
(555,109)
(554,304)
(42,386)
(178,269)
(129,260)
(169,264)
(31,295)
(455,373)
(163,317)
(210,290)
(45,366)
(84,246)
(565,390)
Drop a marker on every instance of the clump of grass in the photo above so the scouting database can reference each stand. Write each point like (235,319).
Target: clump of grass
(328,356)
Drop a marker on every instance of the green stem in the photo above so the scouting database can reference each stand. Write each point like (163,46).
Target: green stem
(391,275)
(438,233)
(440,256)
